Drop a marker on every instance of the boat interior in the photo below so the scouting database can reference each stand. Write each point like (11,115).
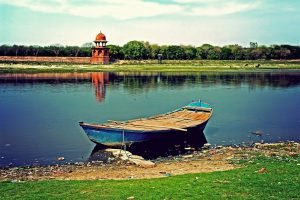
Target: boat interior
(177,120)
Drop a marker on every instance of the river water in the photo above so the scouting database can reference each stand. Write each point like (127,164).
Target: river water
(39,113)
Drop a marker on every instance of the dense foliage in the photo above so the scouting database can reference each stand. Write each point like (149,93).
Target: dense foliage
(136,50)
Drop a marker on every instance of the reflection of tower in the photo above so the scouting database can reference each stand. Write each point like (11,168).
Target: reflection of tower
(100,53)
(99,79)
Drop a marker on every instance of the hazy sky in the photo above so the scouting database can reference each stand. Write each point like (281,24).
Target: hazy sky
(218,22)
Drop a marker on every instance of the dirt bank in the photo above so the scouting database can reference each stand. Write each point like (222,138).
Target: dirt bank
(206,160)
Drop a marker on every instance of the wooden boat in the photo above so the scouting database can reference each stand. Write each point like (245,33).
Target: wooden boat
(186,120)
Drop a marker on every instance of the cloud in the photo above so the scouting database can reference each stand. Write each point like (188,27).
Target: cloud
(117,9)
(223,8)
(122,9)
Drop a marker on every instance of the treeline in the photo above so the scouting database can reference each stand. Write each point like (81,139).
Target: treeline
(136,50)
(52,50)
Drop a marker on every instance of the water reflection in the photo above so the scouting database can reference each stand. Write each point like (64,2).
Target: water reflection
(146,80)
(154,149)
(253,80)
(99,81)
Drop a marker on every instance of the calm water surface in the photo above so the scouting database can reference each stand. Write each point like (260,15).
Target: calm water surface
(39,113)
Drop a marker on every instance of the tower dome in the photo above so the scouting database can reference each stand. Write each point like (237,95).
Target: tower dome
(100,37)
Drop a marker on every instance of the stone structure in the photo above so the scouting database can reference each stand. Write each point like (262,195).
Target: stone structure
(44,59)
(100,53)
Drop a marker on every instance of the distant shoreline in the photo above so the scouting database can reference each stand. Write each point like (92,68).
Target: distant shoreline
(19,66)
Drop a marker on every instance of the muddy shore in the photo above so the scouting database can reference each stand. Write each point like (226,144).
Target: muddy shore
(195,161)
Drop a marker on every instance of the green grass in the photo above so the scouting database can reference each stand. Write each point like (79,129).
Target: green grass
(151,66)
(282,181)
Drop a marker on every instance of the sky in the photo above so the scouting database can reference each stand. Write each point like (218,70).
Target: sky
(186,22)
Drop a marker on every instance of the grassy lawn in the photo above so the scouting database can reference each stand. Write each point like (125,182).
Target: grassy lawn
(280,181)
(151,66)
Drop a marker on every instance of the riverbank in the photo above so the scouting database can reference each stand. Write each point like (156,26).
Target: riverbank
(264,171)
(207,159)
(152,66)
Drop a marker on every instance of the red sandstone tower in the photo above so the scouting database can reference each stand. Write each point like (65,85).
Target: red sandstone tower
(100,53)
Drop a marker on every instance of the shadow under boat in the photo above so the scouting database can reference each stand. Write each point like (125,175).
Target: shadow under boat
(193,139)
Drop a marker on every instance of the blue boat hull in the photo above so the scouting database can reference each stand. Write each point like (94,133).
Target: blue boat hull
(117,137)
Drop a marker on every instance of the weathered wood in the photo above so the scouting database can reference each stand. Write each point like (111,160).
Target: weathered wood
(160,126)
(177,120)
(146,125)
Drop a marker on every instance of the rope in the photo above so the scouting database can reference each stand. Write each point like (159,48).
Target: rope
(124,145)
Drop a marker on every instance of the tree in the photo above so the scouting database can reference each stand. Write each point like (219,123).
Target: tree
(190,52)
(214,53)
(237,51)
(15,48)
(134,50)
(261,52)
(200,53)
(4,49)
(148,50)
(155,50)
(253,45)
(226,53)
(284,53)
(115,52)
(56,48)
(164,51)
(280,52)
(70,51)
(204,50)
(34,50)
(85,49)
(175,52)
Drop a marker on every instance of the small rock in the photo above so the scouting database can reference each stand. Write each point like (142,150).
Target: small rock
(60,158)
(187,156)
(262,170)
(136,157)
(292,154)
(143,163)
(272,154)
(229,158)
(212,152)
(119,153)
(132,197)
(257,133)
(189,148)
(206,145)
